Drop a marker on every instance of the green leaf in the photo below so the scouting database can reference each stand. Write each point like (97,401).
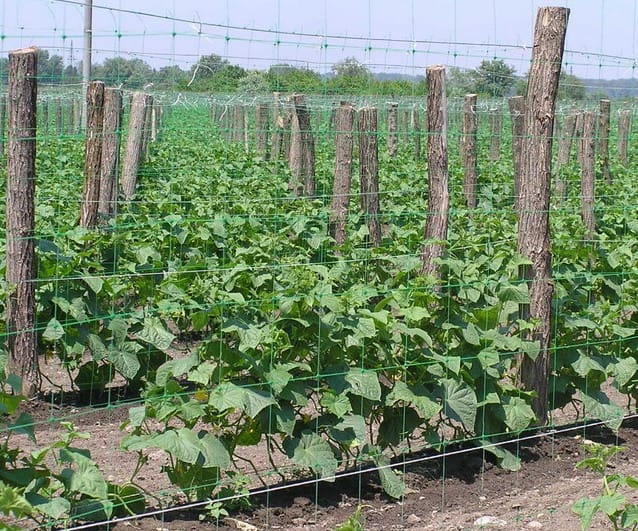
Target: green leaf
(92,510)
(154,333)
(366,327)
(488,358)
(125,362)
(504,458)
(175,367)
(53,331)
(398,423)
(518,294)
(55,507)
(337,405)
(255,400)
(95,283)
(471,334)
(611,503)
(136,415)
(624,370)
(417,397)
(518,414)
(202,373)
(459,402)
(596,405)
(364,383)
(585,364)
(11,502)
(351,431)
(230,396)
(585,508)
(392,484)
(629,517)
(85,479)
(144,253)
(24,425)
(311,451)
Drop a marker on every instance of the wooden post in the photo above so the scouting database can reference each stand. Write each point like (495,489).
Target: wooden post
(20,219)
(68,120)
(146,130)
(604,118)
(587,172)
(578,133)
(369,171)
(302,149)
(495,134)
(624,125)
(533,224)
(564,152)
(262,111)
(238,123)
(277,128)
(406,115)
(468,149)
(438,194)
(45,120)
(92,153)
(3,121)
(344,121)
(416,133)
(392,128)
(517,117)
(133,150)
(58,117)
(77,116)
(110,151)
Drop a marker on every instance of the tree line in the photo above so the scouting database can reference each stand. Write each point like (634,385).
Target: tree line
(213,73)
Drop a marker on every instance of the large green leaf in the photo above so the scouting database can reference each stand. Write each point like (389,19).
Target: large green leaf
(231,396)
(153,332)
(459,402)
(313,452)
(351,431)
(364,383)
(53,331)
(175,367)
(415,396)
(85,478)
(597,405)
(518,414)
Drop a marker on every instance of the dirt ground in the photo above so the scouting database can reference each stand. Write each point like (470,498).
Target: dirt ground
(461,491)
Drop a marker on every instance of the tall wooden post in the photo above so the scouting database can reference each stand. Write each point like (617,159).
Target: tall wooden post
(604,118)
(436,222)
(624,125)
(564,151)
(533,224)
(517,117)
(416,133)
(468,149)
(262,111)
(3,121)
(92,153)
(20,223)
(110,151)
(587,172)
(58,117)
(277,128)
(302,149)
(495,134)
(392,128)
(344,120)
(369,170)
(133,150)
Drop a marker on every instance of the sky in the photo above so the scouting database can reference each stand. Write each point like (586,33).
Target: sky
(398,36)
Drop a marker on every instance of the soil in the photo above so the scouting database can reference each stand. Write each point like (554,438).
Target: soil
(462,490)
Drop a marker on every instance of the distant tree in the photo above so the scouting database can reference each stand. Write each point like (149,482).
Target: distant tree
(458,82)
(493,78)
(288,78)
(131,73)
(253,83)
(349,77)
(214,74)
(570,87)
(170,76)
(71,74)
(50,67)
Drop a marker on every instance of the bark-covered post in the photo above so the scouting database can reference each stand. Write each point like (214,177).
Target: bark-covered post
(468,149)
(392,128)
(624,125)
(578,133)
(564,151)
(238,123)
(406,115)
(533,224)
(92,154)
(77,116)
(517,117)
(495,134)
(110,151)
(604,118)
(146,130)
(44,104)
(69,128)
(3,121)
(301,153)
(277,128)
(262,111)
(133,149)
(343,124)
(438,194)
(58,117)
(587,172)
(20,219)
(369,171)
(416,132)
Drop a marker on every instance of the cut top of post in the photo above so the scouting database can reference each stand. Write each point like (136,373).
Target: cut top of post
(20,51)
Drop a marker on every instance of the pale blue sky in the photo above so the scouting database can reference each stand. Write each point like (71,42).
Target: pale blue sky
(398,36)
